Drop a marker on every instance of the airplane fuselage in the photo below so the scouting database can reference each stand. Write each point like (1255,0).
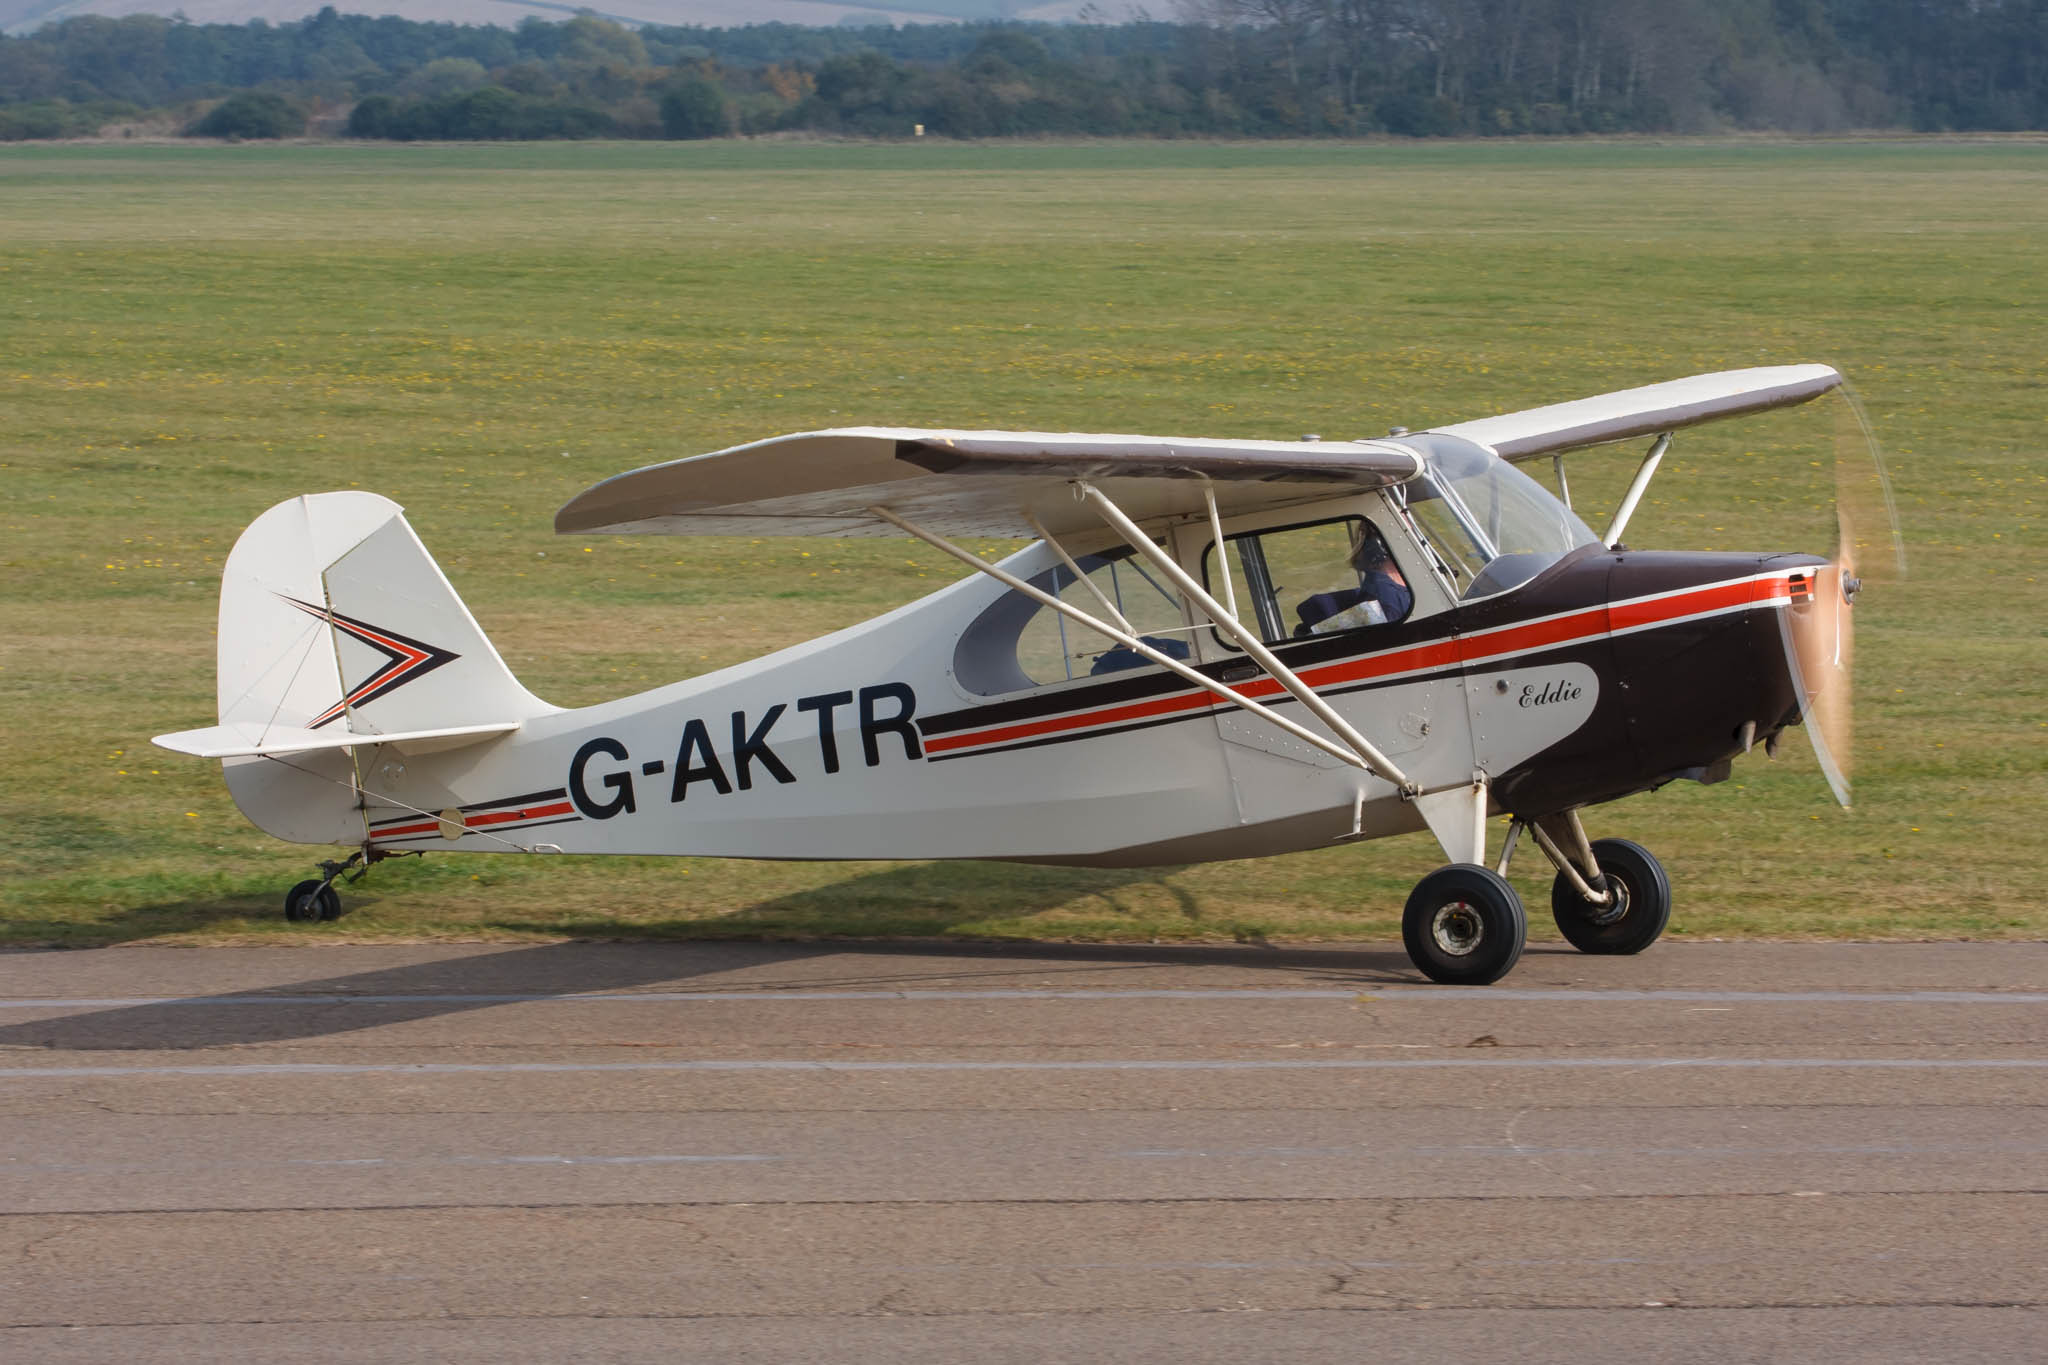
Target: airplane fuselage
(1608,673)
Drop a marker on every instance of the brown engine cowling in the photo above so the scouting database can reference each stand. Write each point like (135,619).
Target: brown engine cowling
(1678,700)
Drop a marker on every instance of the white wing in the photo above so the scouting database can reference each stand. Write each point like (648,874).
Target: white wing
(1646,411)
(993,483)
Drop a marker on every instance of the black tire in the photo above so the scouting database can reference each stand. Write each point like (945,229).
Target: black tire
(302,902)
(1638,878)
(1464,926)
(312,900)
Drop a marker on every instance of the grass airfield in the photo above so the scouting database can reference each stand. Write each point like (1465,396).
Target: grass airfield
(190,334)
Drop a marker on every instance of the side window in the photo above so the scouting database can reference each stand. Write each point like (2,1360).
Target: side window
(1018,643)
(1300,581)
(1053,649)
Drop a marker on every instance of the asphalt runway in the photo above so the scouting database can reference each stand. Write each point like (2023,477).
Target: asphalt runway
(1712,1152)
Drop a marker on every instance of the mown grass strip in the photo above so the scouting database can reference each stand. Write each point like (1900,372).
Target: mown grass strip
(192,334)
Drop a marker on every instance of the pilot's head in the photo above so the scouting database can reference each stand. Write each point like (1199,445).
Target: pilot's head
(1370,553)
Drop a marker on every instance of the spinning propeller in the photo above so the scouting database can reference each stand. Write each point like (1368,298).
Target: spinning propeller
(1820,632)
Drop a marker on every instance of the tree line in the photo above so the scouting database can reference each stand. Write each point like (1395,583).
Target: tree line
(1222,68)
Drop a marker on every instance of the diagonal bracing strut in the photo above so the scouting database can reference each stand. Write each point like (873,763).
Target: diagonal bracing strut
(1122,637)
(1355,750)
(1247,640)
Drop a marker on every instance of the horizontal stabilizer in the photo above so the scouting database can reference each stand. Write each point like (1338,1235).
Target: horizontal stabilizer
(252,741)
(1654,408)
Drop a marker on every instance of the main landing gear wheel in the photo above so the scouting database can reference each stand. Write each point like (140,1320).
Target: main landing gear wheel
(1464,925)
(1641,908)
(312,900)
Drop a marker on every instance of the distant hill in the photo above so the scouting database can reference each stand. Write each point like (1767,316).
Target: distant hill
(22,16)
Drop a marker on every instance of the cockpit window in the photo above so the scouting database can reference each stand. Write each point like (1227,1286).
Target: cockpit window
(1318,579)
(1492,526)
(1019,643)
(1053,648)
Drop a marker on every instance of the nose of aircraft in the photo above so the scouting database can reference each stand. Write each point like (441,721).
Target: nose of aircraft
(1732,662)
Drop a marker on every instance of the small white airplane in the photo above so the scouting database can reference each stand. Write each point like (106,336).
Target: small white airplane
(1210,649)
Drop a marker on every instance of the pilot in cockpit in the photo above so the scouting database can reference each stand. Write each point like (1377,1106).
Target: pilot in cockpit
(1382,594)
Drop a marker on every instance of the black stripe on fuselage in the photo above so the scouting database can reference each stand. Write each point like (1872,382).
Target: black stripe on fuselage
(558,794)
(1543,654)
(531,798)
(1368,640)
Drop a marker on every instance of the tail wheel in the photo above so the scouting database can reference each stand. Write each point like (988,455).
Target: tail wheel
(1464,926)
(1641,908)
(312,900)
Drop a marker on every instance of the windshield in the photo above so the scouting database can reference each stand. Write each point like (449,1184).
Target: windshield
(1492,526)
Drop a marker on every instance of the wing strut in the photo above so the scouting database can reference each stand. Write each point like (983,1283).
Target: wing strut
(1355,749)
(1132,642)
(1644,473)
(1222,554)
(1083,579)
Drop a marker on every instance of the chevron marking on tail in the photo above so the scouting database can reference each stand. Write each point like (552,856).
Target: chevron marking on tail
(406,660)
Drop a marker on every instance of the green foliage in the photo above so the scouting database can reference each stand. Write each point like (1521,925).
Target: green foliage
(375,116)
(1257,68)
(40,119)
(1414,115)
(492,114)
(251,114)
(861,92)
(695,107)
(445,76)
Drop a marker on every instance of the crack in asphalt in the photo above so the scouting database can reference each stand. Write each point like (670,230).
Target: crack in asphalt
(1046,1201)
(1360,1305)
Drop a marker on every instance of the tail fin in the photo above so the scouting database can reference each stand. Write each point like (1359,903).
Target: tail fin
(333,614)
(337,629)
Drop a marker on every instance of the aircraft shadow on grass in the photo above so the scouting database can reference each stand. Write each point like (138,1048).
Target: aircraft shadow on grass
(484,979)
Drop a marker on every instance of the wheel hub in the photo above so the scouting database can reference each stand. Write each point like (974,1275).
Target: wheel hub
(1457,928)
(1616,907)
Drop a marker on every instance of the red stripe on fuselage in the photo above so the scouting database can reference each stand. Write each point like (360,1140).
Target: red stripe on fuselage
(1141,710)
(479,821)
(502,817)
(1694,601)
(406,829)
(1498,643)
